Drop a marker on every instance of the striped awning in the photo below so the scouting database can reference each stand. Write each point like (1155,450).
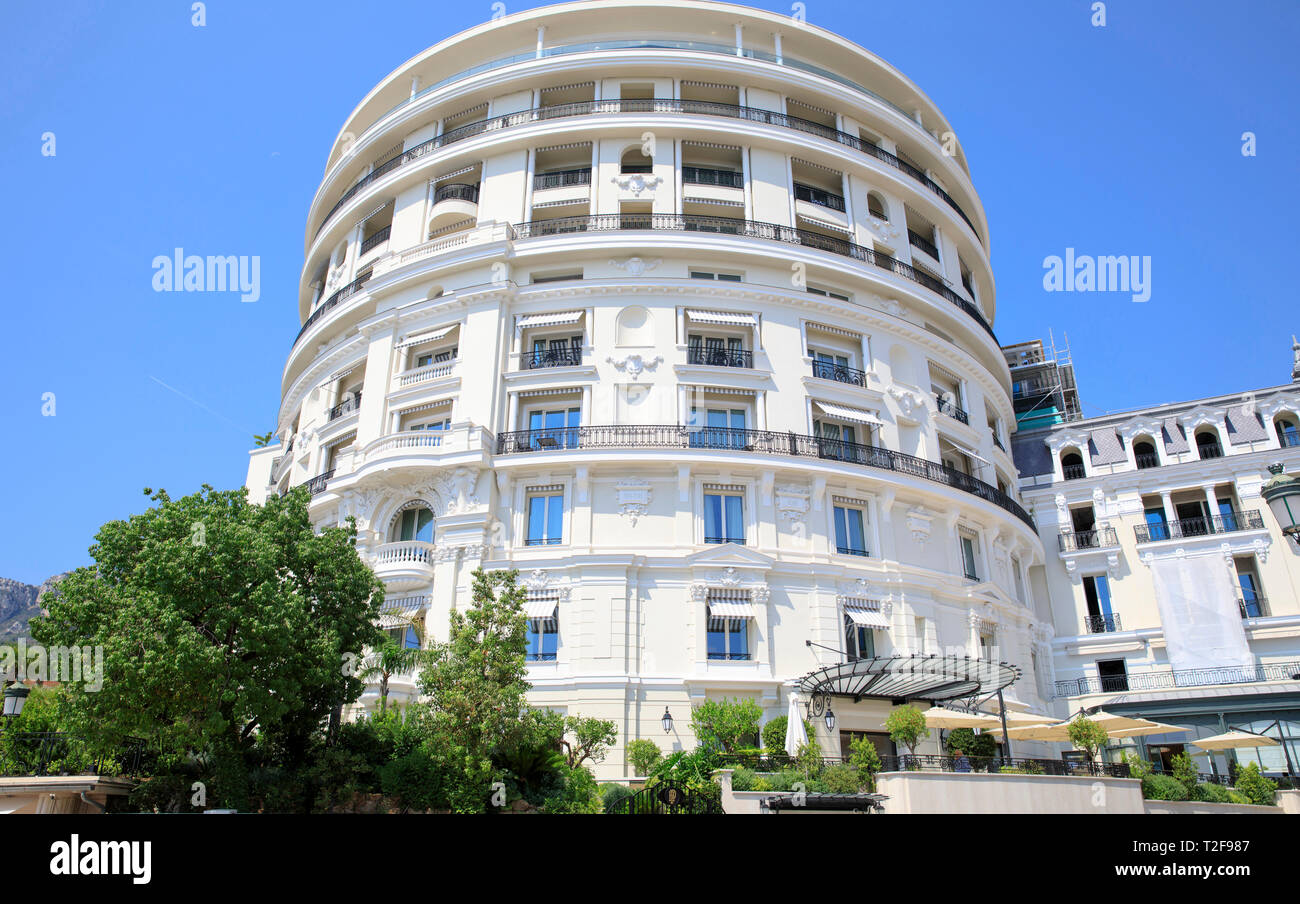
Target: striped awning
(860,614)
(540,606)
(426,336)
(845,413)
(555,318)
(732,608)
(725,317)
(969,453)
(825,224)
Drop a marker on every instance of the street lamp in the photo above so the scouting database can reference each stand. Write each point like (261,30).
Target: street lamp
(1282,493)
(15,697)
(667,721)
(830,718)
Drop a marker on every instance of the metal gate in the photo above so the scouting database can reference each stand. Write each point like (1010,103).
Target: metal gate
(669,797)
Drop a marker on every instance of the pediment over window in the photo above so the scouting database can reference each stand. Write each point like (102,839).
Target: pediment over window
(723,555)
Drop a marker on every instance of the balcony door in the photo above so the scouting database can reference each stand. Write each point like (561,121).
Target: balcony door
(556,352)
(721,428)
(556,428)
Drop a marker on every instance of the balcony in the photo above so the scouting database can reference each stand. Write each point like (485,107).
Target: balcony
(348,406)
(1170,679)
(840,373)
(1146,460)
(562,179)
(750,229)
(1073,472)
(317,484)
(1253,607)
(916,240)
(1099,538)
(819,197)
(1209,450)
(759,442)
(434,371)
(1187,528)
(720,357)
(376,240)
(699,175)
(539,359)
(333,301)
(951,409)
(1101,624)
(403,562)
(640,105)
(456,191)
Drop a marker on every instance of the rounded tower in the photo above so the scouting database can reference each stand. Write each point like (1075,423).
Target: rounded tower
(684,310)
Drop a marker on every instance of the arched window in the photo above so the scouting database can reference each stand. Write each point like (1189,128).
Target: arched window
(1288,430)
(876,206)
(414,521)
(636,162)
(1072,465)
(1144,453)
(1207,443)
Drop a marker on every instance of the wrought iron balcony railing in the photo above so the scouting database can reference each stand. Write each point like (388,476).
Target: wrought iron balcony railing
(1225,523)
(1098,538)
(750,229)
(550,357)
(1101,624)
(818,196)
(759,442)
(1209,450)
(49,753)
(1253,607)
(916,240)
(1164,680)
(562,179)
(1147,460)
(456,191)
(376,240)
(720,357)
(701,175)
(318,483)
(951,408)
(342,294)
(350,405)
(840,373)
(640,105)
(1073,472)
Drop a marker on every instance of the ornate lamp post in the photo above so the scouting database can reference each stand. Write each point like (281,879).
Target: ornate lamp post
(1282,493)
(667,721)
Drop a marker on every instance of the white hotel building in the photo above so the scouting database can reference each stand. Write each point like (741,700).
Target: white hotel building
(1172,590)
(682,310)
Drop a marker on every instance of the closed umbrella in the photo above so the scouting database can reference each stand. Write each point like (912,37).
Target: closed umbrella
(795,736)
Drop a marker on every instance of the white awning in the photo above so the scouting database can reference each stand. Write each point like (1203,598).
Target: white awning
(340,374)
(967,452)
(426,336)
(868,618)
(540,607)
(722,317)
(825,224)
(731,609)
(844,412)
(558,318)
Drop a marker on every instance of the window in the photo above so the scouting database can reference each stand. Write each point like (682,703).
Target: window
(968,557)
(545,516)
(1018,578)
(988,646)
(826,293)
(721,277)
(441,424)
(724,515)
(1072,466)
(425,359)
(1252,602)
(414,523)
(728,637)
(544,637)
(718,351)
(919,625)
(1207,445)
(404,636)
(850,539)
(555,351)
(1288,434)
(1113,675)
(1096,593)
(1144,454)
(859,640)
(719,428)
(832,366)
(555,429)
(1157,527)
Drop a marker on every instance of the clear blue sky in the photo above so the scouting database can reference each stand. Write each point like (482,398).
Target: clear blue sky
(1115,140)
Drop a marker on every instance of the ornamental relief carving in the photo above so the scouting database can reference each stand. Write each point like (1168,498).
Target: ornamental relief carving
(632,365)
(633,498)
(637,183)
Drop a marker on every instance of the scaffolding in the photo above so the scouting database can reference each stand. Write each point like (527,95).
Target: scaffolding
(1043,389)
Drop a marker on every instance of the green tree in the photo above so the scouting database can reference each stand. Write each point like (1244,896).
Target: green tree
(1255,786)
(906,726)
(221,622)
(865,759)
(476,686)
(726,725)
(391,658)
(643,755)
(1087,736)
(591,739)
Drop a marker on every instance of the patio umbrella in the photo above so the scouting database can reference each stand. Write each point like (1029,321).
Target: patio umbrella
(1020,720)
(1234,739)
(942,717)
(1153,728)
(1060,731)
(795,736)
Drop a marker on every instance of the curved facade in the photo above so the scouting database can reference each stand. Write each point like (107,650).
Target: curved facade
(693,331)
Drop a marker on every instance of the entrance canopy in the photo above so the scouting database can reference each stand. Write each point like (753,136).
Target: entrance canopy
(916,677)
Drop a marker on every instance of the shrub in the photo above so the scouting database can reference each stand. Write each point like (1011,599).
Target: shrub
(774,735)
(578,793)
(1137,767)
(1163,787)
(416,780)
(1185,771)
(743,780)
(865,759)
(726,724)
(1213,793)
(841,779)
(611,793)
(644,755)
(1258,789)
(1236,797)
(761,783)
